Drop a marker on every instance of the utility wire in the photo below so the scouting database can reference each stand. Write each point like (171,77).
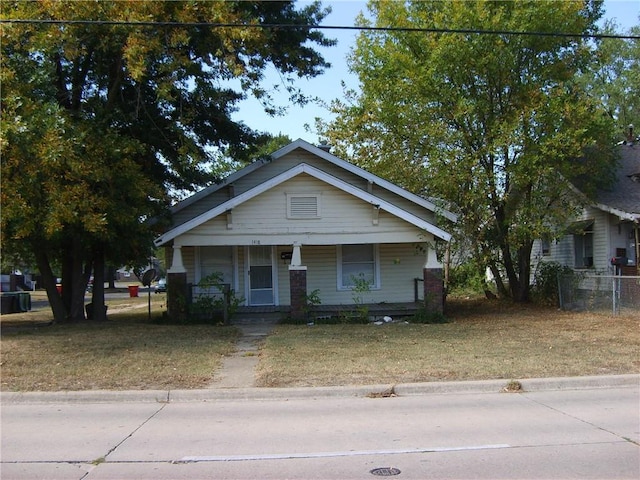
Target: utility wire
(284,26)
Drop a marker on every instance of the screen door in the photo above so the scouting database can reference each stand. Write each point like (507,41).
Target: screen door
(260,276)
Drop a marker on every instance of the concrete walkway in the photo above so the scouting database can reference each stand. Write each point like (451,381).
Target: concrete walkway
(238,369)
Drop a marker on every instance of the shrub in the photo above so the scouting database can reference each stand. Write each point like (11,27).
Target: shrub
(208,307)
(360,287)
(466,278)
(545,281)
(424,316)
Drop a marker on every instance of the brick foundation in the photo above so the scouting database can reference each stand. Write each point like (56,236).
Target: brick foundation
(177,292)
(433,290)
(298,292)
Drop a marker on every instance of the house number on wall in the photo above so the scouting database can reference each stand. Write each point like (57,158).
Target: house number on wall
(255,242)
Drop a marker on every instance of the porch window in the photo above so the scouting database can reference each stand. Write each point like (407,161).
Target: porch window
(216,261)
(357,262)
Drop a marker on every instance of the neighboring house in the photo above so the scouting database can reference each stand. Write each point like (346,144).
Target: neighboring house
(607,229)
(304,221)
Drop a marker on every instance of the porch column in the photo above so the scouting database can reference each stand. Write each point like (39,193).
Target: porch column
(296,258)
(176,263)
(177,289)
(298,284)
(433,283)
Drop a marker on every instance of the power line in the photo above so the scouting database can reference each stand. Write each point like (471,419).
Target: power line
(285,26)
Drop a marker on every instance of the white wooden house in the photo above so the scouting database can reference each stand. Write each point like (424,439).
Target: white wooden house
(304,221)
(608,228)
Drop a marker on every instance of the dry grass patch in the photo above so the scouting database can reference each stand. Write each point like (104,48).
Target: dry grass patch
(486,340)
(126,352)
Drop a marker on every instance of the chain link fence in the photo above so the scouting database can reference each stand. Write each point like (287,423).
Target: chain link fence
(605,293)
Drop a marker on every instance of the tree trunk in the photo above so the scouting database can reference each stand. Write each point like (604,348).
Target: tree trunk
(75,276)
(49,281)
(112,277)
(497,276)
(524,270)
(97,295)
(67,279)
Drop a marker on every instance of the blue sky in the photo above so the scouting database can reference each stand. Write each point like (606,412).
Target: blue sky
(328,85)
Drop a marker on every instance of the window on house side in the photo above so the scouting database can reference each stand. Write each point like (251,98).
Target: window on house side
(546,247)
(583,248)
(355,262)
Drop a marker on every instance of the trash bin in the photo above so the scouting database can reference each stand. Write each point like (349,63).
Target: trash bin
(133,291)
(59,288)
(8,303)
(23,301)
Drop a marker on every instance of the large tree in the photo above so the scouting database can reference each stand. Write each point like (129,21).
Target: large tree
(109,108)
(494,124)
(614,77)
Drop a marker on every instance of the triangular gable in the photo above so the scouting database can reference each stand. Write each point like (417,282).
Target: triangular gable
(325,155)
(374,179)
(316,173)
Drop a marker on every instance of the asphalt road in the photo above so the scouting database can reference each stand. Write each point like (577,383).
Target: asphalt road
(564,434)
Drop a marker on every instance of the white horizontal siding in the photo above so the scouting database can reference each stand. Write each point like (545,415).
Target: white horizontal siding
(399,265)
(563,249)
(264,219)
(189,262)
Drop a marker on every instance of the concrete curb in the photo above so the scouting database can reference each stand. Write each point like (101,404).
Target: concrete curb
(247,394)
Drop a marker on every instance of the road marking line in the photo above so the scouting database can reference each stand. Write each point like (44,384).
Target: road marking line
(285,456)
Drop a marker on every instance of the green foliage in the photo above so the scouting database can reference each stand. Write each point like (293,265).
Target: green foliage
(209,306)
(493,125)
(546,281)
(614,78)
(103,123)
(311,301)
(360,286)
(466,277)
(424,316)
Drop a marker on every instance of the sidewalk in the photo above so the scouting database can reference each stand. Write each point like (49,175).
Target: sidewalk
(253,393)
(238,369)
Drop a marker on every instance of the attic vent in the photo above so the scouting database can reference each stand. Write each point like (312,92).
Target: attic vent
(303,205)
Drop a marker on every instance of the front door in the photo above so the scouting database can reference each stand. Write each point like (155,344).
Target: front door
(261,291)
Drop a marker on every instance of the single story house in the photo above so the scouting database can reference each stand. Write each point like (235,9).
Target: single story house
(605,238)
(306,221)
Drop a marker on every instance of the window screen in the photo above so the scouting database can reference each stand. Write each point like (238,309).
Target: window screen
(357,262)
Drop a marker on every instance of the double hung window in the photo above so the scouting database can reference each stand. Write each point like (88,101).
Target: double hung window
(357,263)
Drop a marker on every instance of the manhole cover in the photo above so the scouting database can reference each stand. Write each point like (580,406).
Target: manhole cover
(385,471)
